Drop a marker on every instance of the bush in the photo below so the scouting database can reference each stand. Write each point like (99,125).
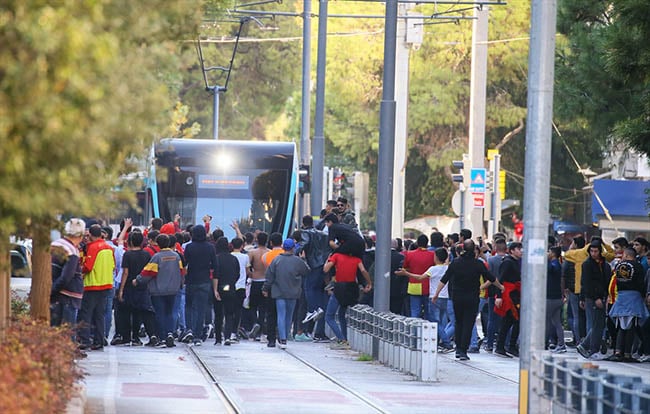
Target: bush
(19,306)
(37,368)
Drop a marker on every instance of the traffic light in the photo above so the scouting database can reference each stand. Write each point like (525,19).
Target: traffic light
(502,184)
(463,168)
(304,180)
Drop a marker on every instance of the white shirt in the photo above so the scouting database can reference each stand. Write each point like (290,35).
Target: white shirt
(243,264)
(436,273)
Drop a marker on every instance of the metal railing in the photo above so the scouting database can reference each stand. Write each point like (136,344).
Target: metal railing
(407,344)
(573,386)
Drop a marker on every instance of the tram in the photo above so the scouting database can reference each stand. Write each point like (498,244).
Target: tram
(251,183)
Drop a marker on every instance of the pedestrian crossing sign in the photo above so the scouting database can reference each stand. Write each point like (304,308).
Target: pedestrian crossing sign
(477,178)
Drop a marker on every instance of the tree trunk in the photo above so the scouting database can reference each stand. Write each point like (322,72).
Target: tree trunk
(41,274)
(5,286)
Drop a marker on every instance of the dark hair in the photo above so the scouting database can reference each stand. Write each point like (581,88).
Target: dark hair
(135,239)
(162,240)
(422,240)
(307,221)
(331,203)
(331,217)
(172,240)
(237,243)
(621,241)
(556,250)
(368,241)
(342,200)
(95,230)
(249,237)
(453,237)
(153,234)
(468,248)
(642,241)
(441,254)
(297,236)
(437,239)
(156,223)
(466,234)
(515,245)
(579,242)
(216,234)
(276,239)
(400,244)
(596,245)
(552,241)
(109,232)
(630,251)
(221,245)
(262,238)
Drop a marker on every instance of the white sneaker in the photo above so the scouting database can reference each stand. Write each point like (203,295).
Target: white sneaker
(597,356)
(313,315)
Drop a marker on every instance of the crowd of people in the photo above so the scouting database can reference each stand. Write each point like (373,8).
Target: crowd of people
(191,285)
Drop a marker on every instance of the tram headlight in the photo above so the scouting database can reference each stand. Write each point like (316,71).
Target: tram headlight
(189,180)
(224,160)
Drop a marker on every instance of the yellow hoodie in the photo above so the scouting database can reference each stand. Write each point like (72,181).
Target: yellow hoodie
(578,257)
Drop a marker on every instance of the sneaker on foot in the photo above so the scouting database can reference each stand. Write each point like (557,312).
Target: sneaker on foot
(322,339)
(582,351)
(513,352)
(283,343)
(227,342)
(502,353)
(271,344)
(303,337)
(255,332)
(187,337)
(559,349)
(198,342)
(473,350)
(153,341)
(241,332)
(118,340)
(136,342)
(169,342)
(463,357)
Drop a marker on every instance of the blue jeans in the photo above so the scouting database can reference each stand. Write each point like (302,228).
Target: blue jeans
(450,329)
(93,307)
(419,305)
(108,313)
(197,303)
(179,310)
(63,311)
(438,312)
(494,323)
(285,309)
(574,303)
(164,306)
(316,296)
(595,326)
(340,329)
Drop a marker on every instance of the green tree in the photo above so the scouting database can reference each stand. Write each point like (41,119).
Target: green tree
(603,81)
(82,90)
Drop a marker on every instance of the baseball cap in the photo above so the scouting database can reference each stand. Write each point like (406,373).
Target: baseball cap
(288,244)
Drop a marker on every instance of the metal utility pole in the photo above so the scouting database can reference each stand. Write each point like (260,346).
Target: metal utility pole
(305,149)
(385,163)
(318,142)
(477,109)
(536,196)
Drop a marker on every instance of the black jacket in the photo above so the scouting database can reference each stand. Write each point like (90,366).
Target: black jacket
(464,275)
(510,272)
(200,257)
(316,247)
(595,279)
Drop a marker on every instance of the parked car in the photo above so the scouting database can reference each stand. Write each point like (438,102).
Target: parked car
(21,259)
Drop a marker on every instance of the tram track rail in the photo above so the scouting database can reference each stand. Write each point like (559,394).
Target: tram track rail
(233,407)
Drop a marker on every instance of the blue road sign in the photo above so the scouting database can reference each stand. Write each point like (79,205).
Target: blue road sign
(477,178)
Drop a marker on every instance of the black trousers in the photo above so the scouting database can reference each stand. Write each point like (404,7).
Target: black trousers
(465,309)
(508,322)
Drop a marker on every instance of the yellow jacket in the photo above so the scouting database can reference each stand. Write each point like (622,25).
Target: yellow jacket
(578,257)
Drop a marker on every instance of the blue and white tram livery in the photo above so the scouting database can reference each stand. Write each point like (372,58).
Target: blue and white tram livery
(252,183)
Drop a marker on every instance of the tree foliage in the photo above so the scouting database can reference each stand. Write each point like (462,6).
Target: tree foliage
(82,89)
(603,70)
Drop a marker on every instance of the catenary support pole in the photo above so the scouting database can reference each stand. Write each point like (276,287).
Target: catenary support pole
(318,143)
(305,149)
(474,216)
(215,112)
(386,162)
(536,196)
